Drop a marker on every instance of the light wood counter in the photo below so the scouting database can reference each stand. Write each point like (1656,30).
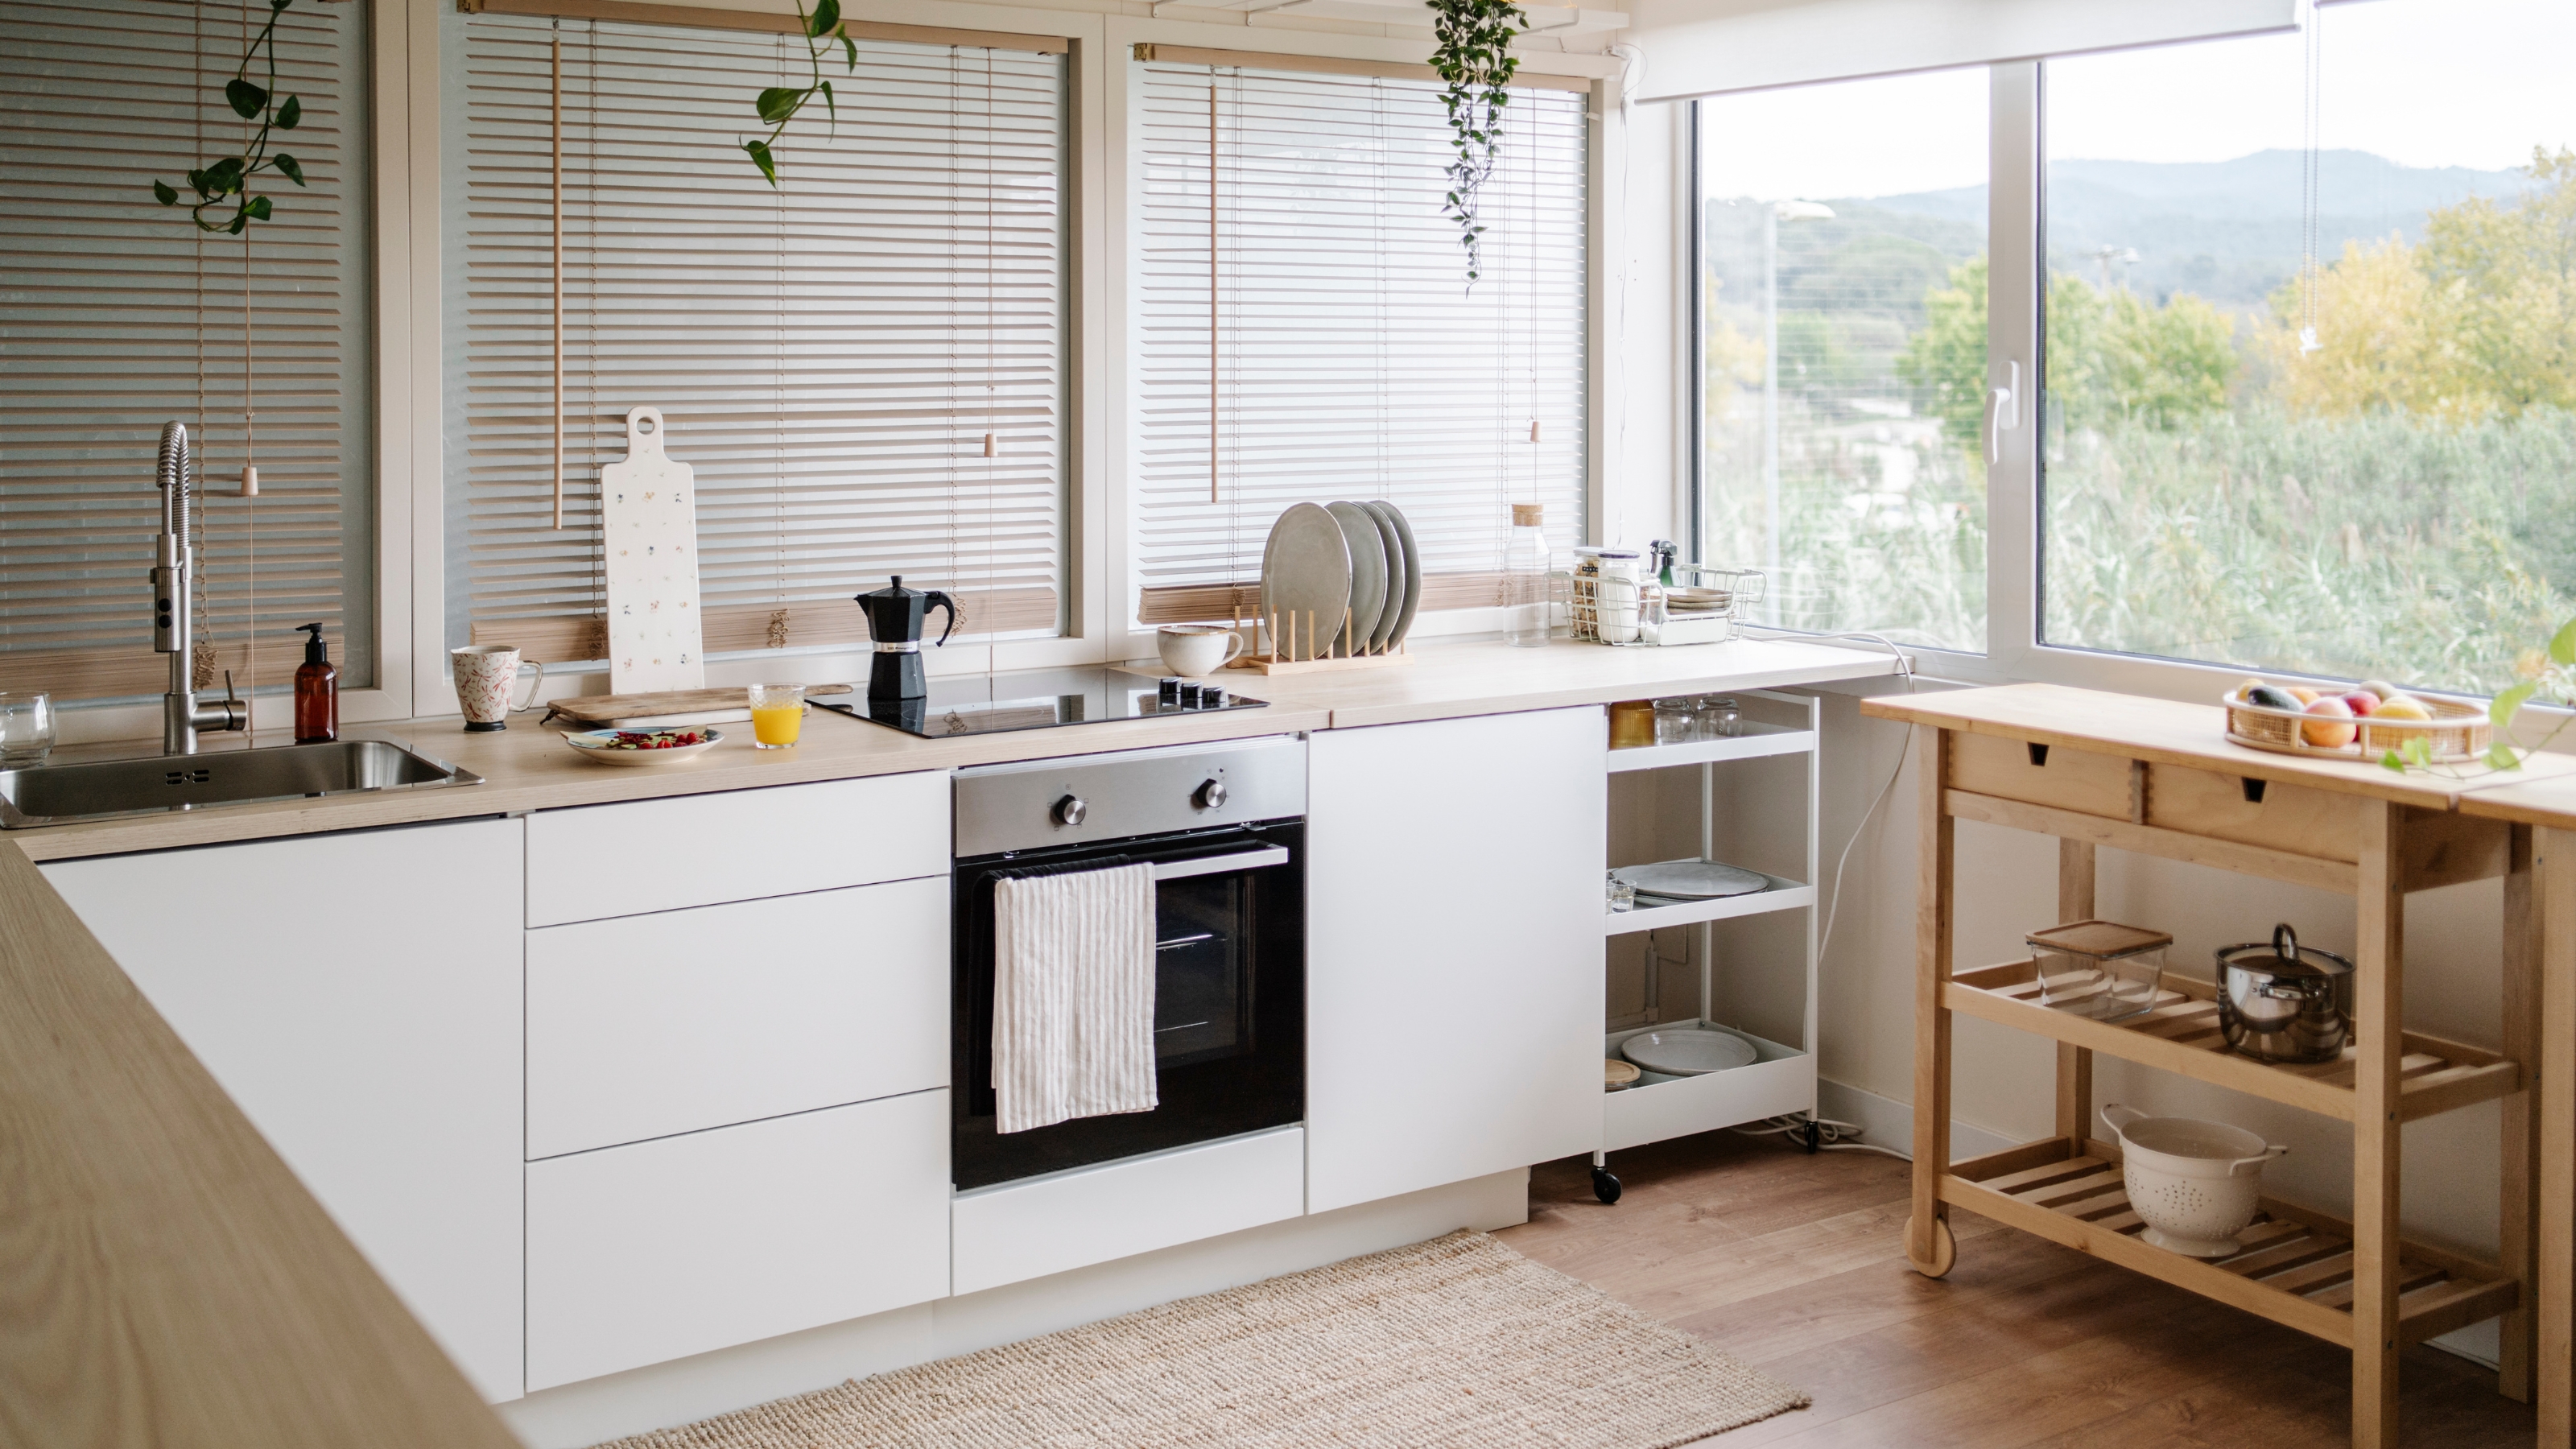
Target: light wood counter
(526,767)
(169,1281)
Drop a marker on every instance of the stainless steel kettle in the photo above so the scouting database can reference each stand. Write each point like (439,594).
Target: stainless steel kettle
(2285,1002)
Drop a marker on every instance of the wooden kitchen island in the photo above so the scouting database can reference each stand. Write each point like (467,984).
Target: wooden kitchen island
(2159,778)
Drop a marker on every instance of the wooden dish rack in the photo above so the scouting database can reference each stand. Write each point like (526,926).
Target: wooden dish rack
(1277,639)
(2457,731)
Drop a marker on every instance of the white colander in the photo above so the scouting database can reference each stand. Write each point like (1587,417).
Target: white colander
(2193,1183)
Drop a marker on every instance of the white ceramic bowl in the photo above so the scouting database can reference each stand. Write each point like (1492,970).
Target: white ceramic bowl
(601,746)
(2193,1183)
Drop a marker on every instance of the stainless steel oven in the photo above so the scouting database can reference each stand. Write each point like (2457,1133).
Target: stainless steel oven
(1224,828)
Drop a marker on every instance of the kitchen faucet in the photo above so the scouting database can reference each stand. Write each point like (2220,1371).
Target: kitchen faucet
(181,715)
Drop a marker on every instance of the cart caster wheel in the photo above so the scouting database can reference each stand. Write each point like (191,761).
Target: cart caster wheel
(1604,1186)
(1945,1249)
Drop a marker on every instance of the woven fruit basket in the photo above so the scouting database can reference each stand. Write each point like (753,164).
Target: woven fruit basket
(2458,730)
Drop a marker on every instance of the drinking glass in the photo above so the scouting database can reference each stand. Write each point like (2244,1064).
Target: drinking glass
(1673,721)
(26,728)
(1623,896)
(1716,717)
(777,715)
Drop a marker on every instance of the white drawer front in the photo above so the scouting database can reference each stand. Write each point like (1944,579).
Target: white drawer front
(739,845)
(643,1254)
(1018,1231)
(653,1025)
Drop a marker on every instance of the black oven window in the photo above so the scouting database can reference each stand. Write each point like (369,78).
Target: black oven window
(1202,989)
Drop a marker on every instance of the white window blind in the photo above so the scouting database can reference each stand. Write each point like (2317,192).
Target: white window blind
(118,315)
(830,357)
(1312,309)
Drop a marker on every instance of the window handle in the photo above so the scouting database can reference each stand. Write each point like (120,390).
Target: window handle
(2003,410)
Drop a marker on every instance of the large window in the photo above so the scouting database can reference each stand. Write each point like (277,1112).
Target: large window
(1842,345)
(117,315)
(1303,328)
(865,366)
(2311,345)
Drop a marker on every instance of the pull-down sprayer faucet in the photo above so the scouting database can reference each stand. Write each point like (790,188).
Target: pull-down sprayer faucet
(181,715)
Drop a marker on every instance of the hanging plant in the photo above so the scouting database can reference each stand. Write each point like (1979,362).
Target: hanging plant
(232,175)
(778,105)
(1475,57)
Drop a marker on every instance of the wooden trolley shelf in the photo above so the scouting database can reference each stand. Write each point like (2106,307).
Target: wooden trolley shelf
(2296,1266)
(2180,1034)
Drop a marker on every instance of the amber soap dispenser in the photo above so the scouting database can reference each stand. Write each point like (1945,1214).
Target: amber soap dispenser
(317,692)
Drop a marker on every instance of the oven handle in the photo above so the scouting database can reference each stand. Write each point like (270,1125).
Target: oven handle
(1220,864)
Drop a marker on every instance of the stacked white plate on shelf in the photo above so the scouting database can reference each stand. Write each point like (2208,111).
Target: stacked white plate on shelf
(1332,565)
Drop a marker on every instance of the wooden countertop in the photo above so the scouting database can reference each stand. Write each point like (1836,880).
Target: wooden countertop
(526,767)
(170,1281)
(2162,731)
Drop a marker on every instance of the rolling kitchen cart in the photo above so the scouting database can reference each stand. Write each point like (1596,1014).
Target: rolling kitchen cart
(2157,778)
(1781,1078)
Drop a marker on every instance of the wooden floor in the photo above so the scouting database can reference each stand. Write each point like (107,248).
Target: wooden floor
(1796,1264)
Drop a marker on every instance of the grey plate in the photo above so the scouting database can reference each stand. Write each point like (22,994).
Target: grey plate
(1412,573)
(1306,575)
(1688,1051)
(1692,880)
(1399,588)
(1368,569)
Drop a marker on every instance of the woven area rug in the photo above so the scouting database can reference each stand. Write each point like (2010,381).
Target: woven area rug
(1458,1343)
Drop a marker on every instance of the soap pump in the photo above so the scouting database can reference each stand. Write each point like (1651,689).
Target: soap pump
(317,692)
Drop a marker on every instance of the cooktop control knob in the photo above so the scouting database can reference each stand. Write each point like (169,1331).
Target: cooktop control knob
(1210,796)
(1070,810)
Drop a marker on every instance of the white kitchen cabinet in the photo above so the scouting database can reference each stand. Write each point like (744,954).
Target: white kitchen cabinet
(652,1025)
(597,861)
(657,1250)
(1454,986)
(358,995)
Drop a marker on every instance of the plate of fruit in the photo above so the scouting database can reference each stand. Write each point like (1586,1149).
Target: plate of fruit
(644,747)
(2364,721)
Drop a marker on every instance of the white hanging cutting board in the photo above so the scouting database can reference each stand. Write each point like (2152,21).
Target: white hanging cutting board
(649,512)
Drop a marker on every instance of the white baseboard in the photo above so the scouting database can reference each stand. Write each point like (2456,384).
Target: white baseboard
(690,1389)
(1890,1123)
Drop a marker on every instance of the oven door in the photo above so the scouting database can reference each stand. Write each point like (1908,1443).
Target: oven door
(1229,1002)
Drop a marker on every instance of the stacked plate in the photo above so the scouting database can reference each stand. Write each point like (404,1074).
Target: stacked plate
(1690,602)
(1346,574)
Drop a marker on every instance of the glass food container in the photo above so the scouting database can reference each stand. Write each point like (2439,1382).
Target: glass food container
(2099,969)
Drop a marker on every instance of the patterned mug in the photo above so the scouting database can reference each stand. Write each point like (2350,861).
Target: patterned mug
(486,676)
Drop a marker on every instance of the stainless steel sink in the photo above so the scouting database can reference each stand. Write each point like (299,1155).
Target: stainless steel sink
(61,794)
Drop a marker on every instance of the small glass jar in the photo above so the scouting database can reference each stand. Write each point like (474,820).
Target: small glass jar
(2099,969)
(1623,896)
(1673,722)
(26,728)
(1632,724)
(1716,717)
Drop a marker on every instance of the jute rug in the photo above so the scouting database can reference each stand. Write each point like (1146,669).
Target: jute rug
(1458,1343)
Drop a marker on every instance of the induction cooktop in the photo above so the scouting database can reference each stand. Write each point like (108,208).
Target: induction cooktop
(1037,699)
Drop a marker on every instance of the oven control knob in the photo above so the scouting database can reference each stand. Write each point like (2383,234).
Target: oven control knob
(1210,796)
(1070,810)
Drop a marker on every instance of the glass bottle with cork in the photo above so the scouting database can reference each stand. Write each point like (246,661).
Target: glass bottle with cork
(1527,599)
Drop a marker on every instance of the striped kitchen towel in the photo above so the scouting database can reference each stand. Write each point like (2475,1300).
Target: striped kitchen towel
(1073,995)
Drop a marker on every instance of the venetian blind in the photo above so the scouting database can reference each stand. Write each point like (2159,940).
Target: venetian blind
(1300,294)
(117,315)
(830,357)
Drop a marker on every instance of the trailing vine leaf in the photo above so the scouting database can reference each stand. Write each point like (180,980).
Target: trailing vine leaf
(231,176)
(778,105)
(2548,674)
(1474,56)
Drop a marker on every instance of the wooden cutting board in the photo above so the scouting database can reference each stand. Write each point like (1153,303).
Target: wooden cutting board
(649,529)
(666,707)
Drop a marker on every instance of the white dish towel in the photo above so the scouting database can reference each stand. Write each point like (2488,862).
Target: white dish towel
(1073,995)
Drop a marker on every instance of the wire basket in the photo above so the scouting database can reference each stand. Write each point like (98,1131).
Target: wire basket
(1709,609)
(2457,731)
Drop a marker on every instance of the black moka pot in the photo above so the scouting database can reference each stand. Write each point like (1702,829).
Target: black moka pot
(895,619)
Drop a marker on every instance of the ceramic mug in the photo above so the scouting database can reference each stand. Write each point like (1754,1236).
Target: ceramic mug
(486,676)
(1196,650)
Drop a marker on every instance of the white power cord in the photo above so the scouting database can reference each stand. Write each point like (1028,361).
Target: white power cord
(1824,1134)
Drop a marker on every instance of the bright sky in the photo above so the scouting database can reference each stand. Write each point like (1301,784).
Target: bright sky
(2422,82)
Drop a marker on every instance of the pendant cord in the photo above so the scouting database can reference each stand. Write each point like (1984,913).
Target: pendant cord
(555,73)
(2311,189)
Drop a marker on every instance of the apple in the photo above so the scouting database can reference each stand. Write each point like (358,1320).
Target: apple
(2362,702)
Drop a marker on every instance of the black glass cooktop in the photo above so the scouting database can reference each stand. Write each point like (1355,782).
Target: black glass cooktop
(1037,699)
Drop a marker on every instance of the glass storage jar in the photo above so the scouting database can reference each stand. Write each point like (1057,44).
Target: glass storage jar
(2099,969)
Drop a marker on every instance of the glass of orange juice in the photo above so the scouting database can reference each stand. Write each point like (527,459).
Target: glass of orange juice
(777,715)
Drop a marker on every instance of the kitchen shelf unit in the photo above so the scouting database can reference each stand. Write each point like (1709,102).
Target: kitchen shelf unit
(1782,1078)
(2157,779)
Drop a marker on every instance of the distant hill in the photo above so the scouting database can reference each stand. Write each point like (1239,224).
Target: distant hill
(2226,230)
